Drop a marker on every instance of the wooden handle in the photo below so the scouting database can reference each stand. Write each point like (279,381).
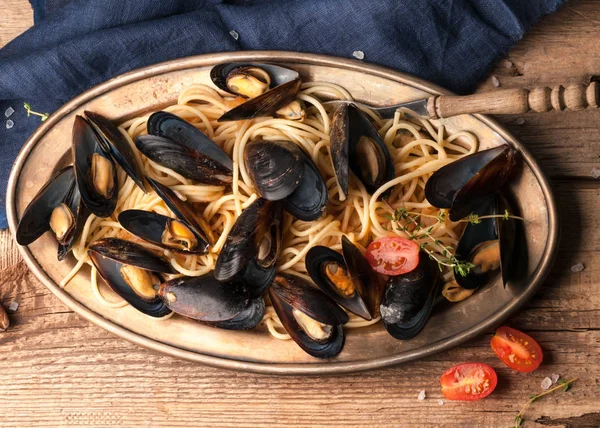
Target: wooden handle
(516,101)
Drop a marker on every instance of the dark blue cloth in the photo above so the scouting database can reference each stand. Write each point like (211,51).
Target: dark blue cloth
(76,44)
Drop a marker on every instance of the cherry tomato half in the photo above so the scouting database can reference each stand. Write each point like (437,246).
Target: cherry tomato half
(468,381)
(516,349)
(393,255)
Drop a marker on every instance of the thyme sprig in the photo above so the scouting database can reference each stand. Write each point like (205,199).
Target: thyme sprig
(403,218)
(562,384)
(27,107)
(420,233)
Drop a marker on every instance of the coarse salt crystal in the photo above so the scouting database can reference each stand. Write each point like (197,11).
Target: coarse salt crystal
(234,34)
(554,378)
(495,81)
(421,395)
(520,121)
(13,306)
(508,63)
(595,172)
(9,124)
(358,54)
(578,267)
(546,383)
(441,402)
(9,111)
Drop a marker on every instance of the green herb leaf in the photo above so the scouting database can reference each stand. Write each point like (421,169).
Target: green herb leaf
(506,215)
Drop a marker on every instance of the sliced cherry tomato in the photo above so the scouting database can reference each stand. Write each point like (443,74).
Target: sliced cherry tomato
(468,381)
(516,349)
(393,255)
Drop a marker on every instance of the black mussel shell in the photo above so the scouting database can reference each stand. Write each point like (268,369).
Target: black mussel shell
(110,271)
(184,160)
(370,160)
(495,234)
(75,204)
(408,299)
(183,211)
(86,144)
(203,298)
(279,75)
(61,188)
(130,253)
(168,125)
(463,184)
(275,167)
(240,259)
(150,227)
(289,292)
(247,319)
(309,201)
(357,276)
(266,104)
(112,141)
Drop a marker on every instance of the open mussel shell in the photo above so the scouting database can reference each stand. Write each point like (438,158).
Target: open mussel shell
(344,278)
(127,252)
(203,298)
(223,74)
(183,211)
(463,184)
(266,104)
(188,162)
(166,232)
(114,271)
(408,299)
(95,171)
(252,247)
(114,142)
(309,201)
(356,145)
(168,125)
(247,319)
(311,318)
(488,245)
(57,207)
(275,167)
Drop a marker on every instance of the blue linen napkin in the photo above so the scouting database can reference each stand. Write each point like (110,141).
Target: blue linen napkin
(76,44)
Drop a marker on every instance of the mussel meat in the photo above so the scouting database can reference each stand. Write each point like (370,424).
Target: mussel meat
(168,125)
(95,171)
(488,245)
(356,145)
(275,167)
(309,201)
(57,207)
(347,278)
(114,142)
(250,253)
(254,81)
(311,318)
(463,185)
(203,298)
(184,160)
(408,299)
(132,272)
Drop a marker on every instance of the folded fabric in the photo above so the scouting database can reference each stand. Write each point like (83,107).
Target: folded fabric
(76,44)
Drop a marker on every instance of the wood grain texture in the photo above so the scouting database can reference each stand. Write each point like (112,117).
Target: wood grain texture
(59,370)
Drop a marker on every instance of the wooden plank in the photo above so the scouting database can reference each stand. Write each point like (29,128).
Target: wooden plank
(17,17)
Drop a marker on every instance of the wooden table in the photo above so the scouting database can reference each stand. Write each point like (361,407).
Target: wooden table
(56,369)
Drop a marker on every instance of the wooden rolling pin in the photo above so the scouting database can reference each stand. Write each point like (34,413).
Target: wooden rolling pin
(516,101)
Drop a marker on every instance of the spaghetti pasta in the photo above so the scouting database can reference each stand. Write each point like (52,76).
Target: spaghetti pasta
(416,146)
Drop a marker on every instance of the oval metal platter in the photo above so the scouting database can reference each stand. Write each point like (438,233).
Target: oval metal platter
(156,86)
